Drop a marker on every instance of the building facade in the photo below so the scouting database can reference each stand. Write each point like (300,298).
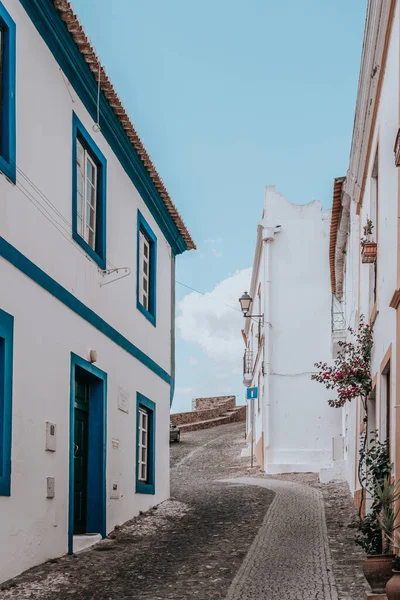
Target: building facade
(292,427)
(371,191)
(88,240)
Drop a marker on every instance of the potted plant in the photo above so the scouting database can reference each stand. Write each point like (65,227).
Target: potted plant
(350,376)
(388,495)
(369,248)
(376,527)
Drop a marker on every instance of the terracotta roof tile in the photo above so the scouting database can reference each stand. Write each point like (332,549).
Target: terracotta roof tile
(74,27)
(335,218)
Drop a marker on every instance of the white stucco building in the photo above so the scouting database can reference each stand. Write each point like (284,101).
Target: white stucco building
(293,428)
(371,190)
(86,362)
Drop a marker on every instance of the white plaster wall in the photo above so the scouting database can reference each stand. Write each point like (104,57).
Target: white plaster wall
(357,274)
(301,424)
(44,154)
(34,528)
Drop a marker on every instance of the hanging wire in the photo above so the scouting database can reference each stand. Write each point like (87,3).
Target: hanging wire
(65,230)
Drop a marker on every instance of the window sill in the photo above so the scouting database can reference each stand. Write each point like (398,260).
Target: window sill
(146,313)
(145,488)
(99,260)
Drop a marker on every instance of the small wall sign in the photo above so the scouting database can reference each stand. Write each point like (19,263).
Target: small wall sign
(252,393)
(123,400)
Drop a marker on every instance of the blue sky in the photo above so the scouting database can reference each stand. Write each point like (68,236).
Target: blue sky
(229,96)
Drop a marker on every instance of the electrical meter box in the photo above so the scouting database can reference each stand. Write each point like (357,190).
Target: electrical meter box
(50,437)
(50,487)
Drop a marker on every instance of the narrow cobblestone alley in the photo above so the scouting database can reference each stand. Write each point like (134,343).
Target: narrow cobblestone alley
(227,533)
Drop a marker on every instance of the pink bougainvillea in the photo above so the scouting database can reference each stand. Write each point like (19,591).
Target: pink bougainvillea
(350,374)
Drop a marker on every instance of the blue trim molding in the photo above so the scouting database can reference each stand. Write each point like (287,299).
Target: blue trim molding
(97,456)
(7,115)
(99,253)
(23,264)
(6,381)
(60,42)
(144,227)
(147,487)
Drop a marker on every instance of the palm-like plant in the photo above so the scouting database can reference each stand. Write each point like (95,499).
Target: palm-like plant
(387,495)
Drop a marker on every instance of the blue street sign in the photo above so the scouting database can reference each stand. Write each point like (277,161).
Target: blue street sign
(252,393)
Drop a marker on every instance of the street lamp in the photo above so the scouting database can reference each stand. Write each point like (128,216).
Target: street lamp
(245,302)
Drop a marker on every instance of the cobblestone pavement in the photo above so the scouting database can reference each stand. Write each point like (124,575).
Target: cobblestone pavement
(191,551)
(289,557)
(228,533)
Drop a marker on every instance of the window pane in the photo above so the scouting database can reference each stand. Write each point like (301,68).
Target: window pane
(91,238)
(90,217)
(79,154)
(144,455)
(79,181)
(79,205)
(90,194)
(90,171)
(145,284)
(144,473)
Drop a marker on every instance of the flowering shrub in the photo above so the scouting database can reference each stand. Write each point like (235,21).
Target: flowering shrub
(350,374)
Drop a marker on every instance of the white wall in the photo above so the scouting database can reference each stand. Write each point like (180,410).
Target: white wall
(357,276)
(44,154)
(301,424)
(34,528)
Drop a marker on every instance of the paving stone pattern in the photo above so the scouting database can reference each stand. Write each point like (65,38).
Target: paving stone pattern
(289,557)
(193,556)
(228,533)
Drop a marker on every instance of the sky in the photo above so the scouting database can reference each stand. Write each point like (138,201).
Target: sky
(229,96)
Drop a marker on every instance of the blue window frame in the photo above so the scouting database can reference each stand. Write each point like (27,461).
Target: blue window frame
(145,445)
(7,95)
(6,378)
(89,172)
(146,282)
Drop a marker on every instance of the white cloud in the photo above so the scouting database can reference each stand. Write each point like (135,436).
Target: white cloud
(192,360)
(214,321)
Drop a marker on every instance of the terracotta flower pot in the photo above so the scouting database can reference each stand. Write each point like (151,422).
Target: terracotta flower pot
(393,586)
(378,570)
(369,252)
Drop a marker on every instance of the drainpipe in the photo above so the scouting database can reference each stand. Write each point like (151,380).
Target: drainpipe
(268,237)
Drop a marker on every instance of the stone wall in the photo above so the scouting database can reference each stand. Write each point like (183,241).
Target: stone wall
(238,414)
(206,403)
(206,410)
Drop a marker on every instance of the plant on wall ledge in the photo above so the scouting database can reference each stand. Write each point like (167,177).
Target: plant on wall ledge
(369,248)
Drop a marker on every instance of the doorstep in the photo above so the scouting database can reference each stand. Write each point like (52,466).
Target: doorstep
(372,596)
(84,541)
